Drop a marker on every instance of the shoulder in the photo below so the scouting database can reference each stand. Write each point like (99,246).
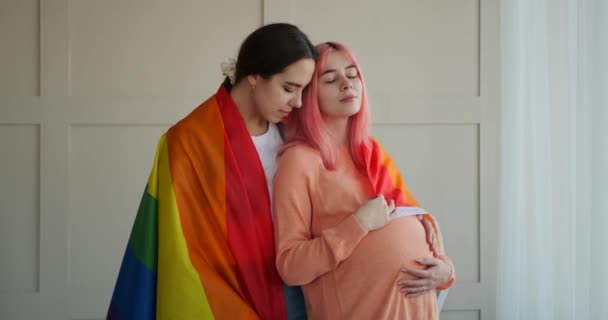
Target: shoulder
(301,156)
(205,114)
(302,151)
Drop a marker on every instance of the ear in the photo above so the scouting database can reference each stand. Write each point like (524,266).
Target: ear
(253,79)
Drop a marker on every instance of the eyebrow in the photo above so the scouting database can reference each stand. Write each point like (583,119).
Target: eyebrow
(334,70)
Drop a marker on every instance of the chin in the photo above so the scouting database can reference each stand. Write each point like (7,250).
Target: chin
(352,108)
(352,111)
(275,119)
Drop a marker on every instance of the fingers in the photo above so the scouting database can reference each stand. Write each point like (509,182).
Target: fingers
(413,295)
(430,232)
(393,215)
(417,273)
(414,290)
(428,261)
(435,250)
(420,288)
(381,202)
(389,207)
(430,235)
(378,201)
(412,283)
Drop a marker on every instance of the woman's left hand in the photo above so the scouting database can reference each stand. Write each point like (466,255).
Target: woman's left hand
(437,273)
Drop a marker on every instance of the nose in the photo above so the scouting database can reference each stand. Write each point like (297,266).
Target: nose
(296,102)
(346,85)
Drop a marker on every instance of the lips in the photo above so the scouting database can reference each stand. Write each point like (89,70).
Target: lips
(348,99)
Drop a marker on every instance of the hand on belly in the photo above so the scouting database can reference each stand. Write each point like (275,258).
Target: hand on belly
(377,262)
(392,248)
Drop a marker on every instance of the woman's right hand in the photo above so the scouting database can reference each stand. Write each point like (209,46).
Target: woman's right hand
(375,213)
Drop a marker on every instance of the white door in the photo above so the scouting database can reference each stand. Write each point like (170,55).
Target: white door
(87,87)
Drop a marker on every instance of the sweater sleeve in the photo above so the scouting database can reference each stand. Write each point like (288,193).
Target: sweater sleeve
(301,258)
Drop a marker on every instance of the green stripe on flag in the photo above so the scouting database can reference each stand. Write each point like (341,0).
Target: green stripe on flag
(144,236)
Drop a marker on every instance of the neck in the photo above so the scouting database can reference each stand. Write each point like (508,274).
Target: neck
(338,130)
(243,99)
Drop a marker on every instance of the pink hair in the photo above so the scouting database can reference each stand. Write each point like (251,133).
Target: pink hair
(306,124)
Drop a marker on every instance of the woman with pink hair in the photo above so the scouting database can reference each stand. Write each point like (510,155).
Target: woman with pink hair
(346,228)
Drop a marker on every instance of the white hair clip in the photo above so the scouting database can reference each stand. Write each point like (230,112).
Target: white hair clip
(229,69)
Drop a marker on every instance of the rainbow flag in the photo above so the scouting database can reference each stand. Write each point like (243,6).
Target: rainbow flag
(202,244)
(386,180)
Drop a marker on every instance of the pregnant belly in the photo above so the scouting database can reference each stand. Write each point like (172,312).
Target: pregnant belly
(365,284)
(383,253)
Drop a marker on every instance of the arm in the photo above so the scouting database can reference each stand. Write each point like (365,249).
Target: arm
(300,257)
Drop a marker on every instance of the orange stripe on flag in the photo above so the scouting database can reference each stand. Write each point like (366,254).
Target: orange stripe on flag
(201,197)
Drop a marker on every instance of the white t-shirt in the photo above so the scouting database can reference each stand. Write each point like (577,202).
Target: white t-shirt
(268,145)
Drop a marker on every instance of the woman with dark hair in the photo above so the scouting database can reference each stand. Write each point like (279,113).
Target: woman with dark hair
(202,244)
